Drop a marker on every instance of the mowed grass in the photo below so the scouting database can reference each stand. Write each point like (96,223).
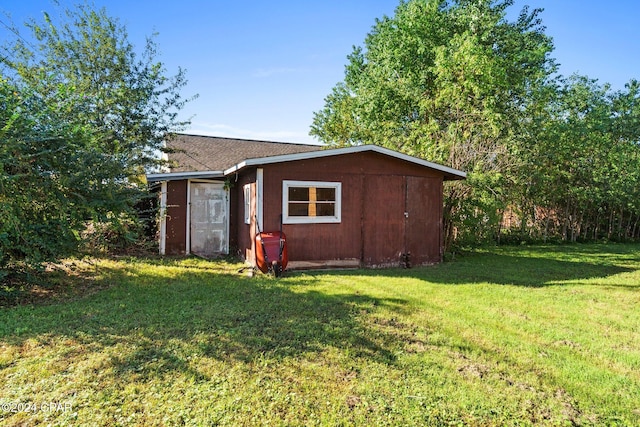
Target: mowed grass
(508,336)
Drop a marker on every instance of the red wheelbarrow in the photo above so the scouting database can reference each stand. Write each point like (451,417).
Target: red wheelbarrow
(271,252)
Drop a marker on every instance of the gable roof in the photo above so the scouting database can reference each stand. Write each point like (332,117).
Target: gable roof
(195,153)
(450,173)
(213,157)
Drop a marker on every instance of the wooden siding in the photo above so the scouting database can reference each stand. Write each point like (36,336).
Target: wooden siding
(244,233)
(176,238)
(377,191)
(383,220)
(389,208)
(423,230)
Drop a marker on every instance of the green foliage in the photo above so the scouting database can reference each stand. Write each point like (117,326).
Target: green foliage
(83,115)
(123,235)
(446,81)
(580,165)
(125,96)
(454,82)
(41,194)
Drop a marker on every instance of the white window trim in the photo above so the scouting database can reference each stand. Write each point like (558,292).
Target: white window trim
(246,190)
(286,219)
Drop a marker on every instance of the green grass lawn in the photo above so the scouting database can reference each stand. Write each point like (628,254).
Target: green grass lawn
(507,336)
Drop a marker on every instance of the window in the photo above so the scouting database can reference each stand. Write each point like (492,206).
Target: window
(247,203)
(311,202)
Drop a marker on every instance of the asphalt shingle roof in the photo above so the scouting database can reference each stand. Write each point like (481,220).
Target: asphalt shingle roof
(195,153)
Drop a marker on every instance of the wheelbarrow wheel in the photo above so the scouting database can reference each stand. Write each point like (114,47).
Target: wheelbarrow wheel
(277,268)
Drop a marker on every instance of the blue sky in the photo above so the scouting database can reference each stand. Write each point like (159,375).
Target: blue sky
(262,68)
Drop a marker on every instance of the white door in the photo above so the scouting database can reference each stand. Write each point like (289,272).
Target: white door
(208,219)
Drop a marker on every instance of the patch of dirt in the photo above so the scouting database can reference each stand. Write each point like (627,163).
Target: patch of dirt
(570,410)
(418,346)
(393,323)
(353,401)
(542,405)
(474,370)
(471,368)
(347,376)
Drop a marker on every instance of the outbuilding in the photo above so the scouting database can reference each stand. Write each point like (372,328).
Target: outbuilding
(358,206)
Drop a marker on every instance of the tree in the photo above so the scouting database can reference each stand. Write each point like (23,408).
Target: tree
(581,163)
(45,193)
(448,81)
(83,116)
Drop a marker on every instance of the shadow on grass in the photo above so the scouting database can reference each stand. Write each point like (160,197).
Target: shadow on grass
(151,320)
(152,324)
(532,268)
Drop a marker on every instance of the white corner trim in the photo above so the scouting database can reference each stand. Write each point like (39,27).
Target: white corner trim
(260,197)
(163,218)
(187,247)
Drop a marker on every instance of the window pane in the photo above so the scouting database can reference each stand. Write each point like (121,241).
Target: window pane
(247,204)
(298,194)
(326,194)
(307,202)
(298,209)
(325,209)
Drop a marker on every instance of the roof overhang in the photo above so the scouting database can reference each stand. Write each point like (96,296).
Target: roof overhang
(175,176)
(450,174)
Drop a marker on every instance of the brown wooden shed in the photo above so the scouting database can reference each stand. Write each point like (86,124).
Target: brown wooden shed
(356,206)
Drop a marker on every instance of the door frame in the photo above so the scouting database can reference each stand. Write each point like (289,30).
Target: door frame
(423,212)
(407,222)
(383,226)
(227,207)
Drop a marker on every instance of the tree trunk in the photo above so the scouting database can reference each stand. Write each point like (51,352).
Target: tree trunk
(627,229)
(500,221)
(546,228)
(579,226)
(610,230)
(565,222)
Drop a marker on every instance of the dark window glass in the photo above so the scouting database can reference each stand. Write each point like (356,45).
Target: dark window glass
(326,194)
(325,209)
(298,209)
(298,194)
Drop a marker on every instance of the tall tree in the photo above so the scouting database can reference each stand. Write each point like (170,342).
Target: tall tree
(581,163)
(126,96)
(84,114)
(447,81)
